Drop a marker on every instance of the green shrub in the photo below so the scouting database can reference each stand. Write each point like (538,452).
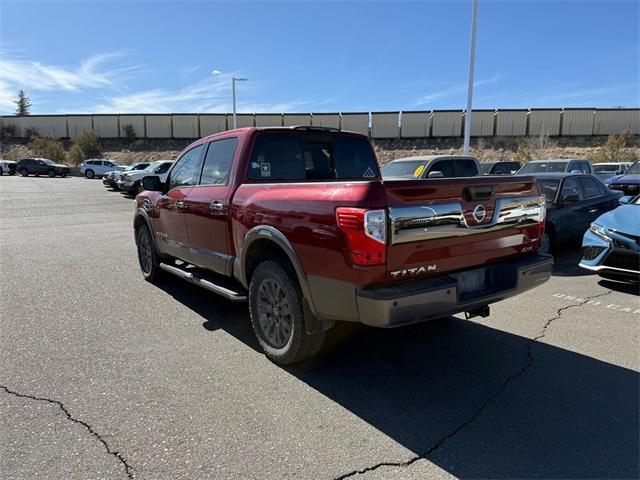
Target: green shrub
(89,144)
(7,132)
(75,156)
(129,133)
(613,150)
(48,147)
(30,133)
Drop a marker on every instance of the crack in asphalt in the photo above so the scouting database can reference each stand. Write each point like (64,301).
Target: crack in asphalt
(114,453)
(485,404)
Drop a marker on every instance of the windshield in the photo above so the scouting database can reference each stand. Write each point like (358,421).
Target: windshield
(131,167)
(606,168)
(635,168)
(540,167)
(152,166)
(402,169)
(549,188)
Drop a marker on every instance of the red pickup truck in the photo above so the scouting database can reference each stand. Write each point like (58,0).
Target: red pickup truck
(299,222)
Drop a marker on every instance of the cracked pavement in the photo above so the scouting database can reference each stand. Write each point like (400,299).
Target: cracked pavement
(105,376)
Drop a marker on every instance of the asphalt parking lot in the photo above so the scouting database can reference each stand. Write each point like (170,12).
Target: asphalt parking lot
(103,375)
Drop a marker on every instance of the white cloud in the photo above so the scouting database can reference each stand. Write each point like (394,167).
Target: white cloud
(453,91)
(32,76)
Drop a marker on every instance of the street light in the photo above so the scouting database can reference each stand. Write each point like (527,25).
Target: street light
(233,89)
(472,61)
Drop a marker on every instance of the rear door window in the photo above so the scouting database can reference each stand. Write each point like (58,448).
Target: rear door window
(465,168)
(217,162)
(279,156)
(590,187)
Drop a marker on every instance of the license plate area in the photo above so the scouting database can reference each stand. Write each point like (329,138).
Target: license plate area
(471,280)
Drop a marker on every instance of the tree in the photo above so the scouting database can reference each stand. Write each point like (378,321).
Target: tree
(23,104)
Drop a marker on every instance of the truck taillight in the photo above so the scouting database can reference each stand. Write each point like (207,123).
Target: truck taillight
(543,215)
(366,233)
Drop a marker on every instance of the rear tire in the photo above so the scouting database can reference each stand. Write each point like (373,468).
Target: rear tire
(275,307)
(12,172)
(546,244)
(89,174)
(51,173)
(24,172)
(147,256)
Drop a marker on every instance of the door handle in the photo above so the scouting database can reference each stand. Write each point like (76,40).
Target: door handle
(216,206)
(179,205)
(593,210)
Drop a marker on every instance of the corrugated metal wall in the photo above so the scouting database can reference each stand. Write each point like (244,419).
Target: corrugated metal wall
(78,124)
(212,123)
(415,124)
(613,121)
(355,122)
(268,120)
(439,123)
(331,120)
(577,122)
(158,126)
(294,119)
(511,123)
(136,121)
(544,120)
(446,123)
(385,125)
(186,126)
(106,126)
(242,120)
(482,123)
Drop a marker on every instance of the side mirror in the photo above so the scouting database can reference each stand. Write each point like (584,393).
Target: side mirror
(625,200)
(570,199)
(152,183)
(435,174)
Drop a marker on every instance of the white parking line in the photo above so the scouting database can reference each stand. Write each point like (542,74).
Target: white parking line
(598,303)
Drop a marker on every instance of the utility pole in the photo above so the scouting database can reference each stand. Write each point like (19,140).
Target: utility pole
(472,61)
(233,90)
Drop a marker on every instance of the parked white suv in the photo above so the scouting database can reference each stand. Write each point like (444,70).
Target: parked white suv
(132,181)
(97,167)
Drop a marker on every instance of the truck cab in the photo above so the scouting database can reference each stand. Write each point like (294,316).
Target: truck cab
(299,222)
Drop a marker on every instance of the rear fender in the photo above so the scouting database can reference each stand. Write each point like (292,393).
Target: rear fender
(313,323)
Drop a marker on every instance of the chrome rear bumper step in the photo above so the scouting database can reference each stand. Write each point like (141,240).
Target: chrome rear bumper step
(219,286)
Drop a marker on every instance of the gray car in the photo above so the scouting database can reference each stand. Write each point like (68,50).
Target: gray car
(431,166)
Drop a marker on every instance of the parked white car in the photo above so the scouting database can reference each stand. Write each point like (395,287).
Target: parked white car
(110,179)
(97,167)
(8,167)
(132,181)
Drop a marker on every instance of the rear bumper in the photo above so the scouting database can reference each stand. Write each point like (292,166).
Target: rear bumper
(439,297)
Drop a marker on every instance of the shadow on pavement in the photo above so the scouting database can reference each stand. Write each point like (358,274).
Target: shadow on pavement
(632,288)
(566,258)
(562,414)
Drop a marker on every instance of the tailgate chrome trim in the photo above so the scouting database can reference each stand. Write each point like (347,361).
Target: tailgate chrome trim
(442,220)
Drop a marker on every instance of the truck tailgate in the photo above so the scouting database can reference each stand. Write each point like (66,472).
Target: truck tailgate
(444,225)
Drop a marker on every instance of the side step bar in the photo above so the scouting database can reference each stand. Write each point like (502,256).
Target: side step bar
(225,291)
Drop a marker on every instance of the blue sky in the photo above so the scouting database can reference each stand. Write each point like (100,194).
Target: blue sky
(101,56)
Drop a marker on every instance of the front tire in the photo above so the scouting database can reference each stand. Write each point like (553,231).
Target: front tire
(147,256)
(275,307)
(89,173)
(12,172)
(51,173)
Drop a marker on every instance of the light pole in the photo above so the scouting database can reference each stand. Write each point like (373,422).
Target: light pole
(472,61)
(233,90)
